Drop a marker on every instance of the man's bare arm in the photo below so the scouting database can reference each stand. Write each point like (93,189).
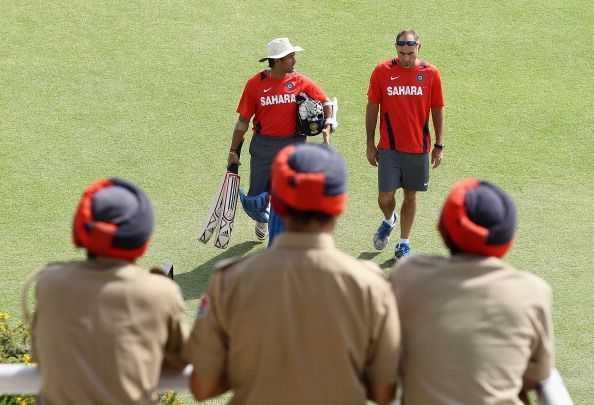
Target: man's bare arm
(437,118)
(371,113)
(437,153)
(241,127)
(328,127)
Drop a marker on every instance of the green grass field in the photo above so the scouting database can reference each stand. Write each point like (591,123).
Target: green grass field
(148,92)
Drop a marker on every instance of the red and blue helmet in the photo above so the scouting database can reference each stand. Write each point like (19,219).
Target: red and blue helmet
(114,218)
(479,218)
(309,177)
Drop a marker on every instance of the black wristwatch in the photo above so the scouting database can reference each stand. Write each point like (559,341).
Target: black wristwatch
(439,145)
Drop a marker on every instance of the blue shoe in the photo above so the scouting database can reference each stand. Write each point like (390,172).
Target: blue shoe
(382,236)
(401,250)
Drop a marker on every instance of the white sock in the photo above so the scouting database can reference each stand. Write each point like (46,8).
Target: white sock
(392,220)
(407,241)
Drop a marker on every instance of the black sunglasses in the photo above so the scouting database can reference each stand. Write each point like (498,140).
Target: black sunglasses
(407,43)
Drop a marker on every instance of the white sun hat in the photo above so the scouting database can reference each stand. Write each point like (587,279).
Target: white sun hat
(279,48)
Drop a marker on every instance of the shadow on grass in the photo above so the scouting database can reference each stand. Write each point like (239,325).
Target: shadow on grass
(371,255)
(387,264)
(194,282)
(368,255)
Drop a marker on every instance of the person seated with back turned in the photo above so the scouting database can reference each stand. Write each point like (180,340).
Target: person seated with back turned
(301,322)
(103,328)
(474,329)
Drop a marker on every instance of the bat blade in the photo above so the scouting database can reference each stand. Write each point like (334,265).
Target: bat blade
(225,226)
(214,215)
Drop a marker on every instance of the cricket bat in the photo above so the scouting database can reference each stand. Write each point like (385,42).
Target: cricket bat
(214,217)
(221,216)
(225,224)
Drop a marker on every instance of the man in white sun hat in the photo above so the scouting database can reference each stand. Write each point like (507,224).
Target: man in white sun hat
(270,99)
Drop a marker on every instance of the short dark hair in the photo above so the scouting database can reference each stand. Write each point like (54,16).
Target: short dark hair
(407,31)
(271,60)
(305,217)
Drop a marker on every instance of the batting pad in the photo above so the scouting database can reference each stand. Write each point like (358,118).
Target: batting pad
(256,207)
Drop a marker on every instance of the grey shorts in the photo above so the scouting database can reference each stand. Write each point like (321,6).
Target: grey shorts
(263,149)
(402,170)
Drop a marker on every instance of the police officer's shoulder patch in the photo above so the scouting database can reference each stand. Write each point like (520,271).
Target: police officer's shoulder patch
(203,307)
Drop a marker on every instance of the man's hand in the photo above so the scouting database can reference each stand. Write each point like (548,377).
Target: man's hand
(372,155)
(436,157)
(233,159)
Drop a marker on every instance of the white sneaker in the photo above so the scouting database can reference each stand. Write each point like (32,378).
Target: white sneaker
(261,230)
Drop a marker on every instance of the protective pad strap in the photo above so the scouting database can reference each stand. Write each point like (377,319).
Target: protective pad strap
(256,207)
(330,121)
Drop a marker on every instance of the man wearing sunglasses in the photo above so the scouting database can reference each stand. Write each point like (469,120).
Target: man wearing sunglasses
(405,91)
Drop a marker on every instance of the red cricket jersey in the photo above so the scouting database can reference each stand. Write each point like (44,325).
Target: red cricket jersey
(272,102)
(406,97)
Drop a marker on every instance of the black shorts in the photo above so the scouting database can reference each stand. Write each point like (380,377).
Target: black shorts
(396,170)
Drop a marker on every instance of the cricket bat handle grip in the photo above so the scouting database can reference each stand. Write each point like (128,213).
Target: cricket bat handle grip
(234,168)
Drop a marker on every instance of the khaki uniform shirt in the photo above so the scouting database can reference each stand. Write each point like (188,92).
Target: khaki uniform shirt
(472,327)
(101,331)
(300,323)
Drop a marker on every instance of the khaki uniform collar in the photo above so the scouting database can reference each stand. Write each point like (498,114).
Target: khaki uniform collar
(304,240)
(107,262)
(468,257)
